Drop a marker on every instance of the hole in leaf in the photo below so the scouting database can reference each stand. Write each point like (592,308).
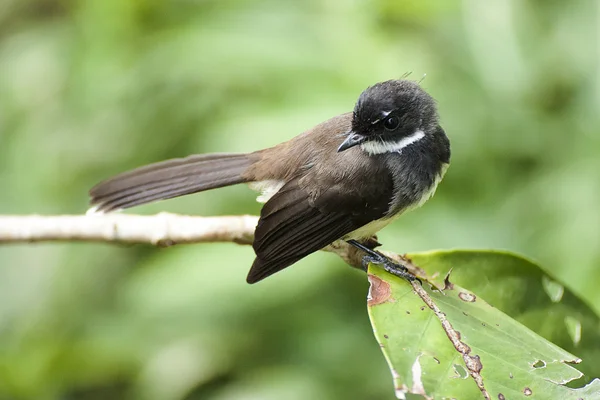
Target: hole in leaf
(539,364)
(461,372)
(578,383)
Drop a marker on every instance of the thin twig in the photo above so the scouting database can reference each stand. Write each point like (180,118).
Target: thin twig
(163,229)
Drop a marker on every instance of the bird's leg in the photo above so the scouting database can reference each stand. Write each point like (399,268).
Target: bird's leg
(375,257)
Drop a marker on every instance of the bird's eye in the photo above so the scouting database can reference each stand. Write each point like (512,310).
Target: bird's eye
(391,123)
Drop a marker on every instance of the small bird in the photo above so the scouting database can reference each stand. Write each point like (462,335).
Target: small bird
(344,179)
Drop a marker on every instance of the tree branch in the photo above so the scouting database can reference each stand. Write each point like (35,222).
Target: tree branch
(163,229)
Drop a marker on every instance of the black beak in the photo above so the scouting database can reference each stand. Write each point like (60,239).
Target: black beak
(352,140)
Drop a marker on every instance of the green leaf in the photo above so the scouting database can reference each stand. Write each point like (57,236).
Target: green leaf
(451,343)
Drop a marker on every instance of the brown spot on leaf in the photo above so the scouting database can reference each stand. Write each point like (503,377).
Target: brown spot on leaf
(436,360)
(408,312)
(501,396)
(386,336)
(465,314)
(475,364)
(379,291)
(422,308)
(468,297)
(527,392)
(510,375)
(466,348)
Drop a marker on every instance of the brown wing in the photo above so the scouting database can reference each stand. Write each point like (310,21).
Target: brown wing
(294,224)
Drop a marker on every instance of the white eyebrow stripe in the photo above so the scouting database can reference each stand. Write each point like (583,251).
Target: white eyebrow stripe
(378,147)
(384,114)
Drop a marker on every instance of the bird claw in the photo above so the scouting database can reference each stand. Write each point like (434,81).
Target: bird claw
(375,257)
(389,266)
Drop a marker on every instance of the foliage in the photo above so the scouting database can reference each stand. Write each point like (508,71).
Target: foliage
(88,89)
(453,344)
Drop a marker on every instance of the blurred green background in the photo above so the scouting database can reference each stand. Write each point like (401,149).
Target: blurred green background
(91,88)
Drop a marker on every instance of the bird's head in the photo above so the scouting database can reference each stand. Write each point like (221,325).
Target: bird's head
(391,115)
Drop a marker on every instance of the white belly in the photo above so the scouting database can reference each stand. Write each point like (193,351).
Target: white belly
(370,229)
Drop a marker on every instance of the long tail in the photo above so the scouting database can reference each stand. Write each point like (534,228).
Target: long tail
(168,179)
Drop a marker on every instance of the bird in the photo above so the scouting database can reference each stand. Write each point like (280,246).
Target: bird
(344,179)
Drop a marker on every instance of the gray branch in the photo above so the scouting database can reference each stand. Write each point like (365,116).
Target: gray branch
(162,229)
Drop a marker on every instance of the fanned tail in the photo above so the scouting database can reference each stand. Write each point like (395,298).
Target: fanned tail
(168,179)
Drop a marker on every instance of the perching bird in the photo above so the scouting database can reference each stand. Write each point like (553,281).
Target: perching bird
(346,178)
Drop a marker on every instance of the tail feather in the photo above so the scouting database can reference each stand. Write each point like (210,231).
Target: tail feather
(168,179)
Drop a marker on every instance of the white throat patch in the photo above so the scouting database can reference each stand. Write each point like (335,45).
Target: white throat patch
(378,147)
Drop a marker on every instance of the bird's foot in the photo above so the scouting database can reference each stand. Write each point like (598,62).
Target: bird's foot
(375,257)
(389,266)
